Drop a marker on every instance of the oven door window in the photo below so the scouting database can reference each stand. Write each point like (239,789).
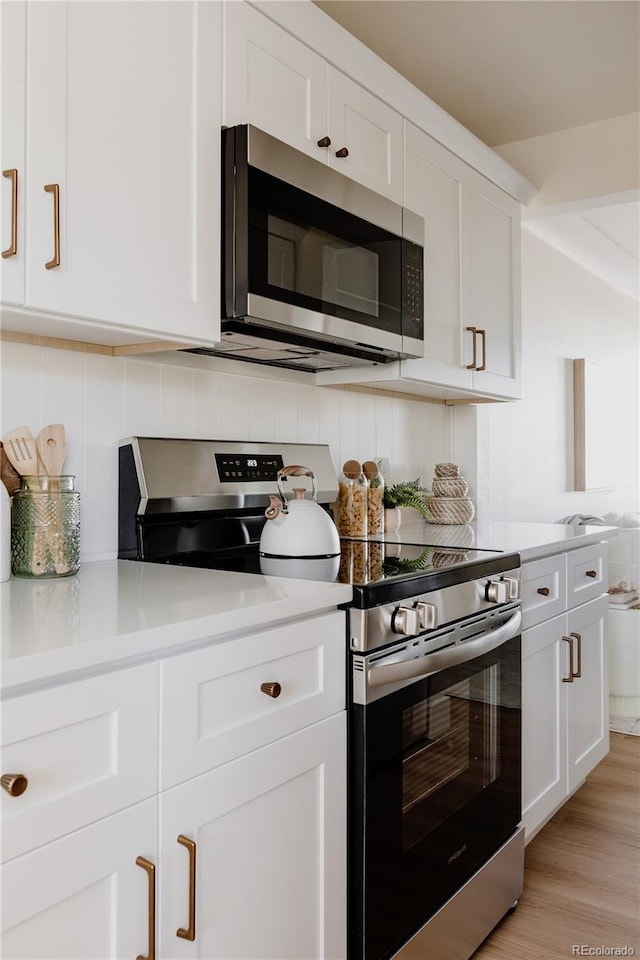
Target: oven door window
(436,789)
(310,253)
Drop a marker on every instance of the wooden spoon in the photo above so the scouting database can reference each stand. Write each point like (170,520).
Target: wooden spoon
(52,448)
(21,450)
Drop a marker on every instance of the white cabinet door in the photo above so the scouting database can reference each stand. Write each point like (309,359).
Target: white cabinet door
(123,116)
(588,714)
(277,83)
(370,132)
(545,661)
(83,896)
(437,187)
(273,81)
(270,848)
(495,289)
(12,151)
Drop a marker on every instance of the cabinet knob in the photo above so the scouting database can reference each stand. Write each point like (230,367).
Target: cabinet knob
(324,142)
(271,689)
(591,573)
(544,591)
(14,783)
(342,152)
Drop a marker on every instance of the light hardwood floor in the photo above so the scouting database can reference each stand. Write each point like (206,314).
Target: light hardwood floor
(582,871)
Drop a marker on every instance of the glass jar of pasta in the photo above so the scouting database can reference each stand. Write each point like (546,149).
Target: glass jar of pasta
(352,506)
(375,497)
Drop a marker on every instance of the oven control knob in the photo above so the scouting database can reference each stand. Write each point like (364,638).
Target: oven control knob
(406,620)
(501,591)
(428,615)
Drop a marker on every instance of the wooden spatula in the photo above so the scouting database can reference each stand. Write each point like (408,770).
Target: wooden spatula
(21,450)
(52,448)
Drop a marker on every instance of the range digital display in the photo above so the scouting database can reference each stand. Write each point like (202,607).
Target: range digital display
(248,467)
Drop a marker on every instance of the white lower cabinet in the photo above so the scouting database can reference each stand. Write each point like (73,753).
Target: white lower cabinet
(84,895)
(246,859)
(269,835)
(564,707)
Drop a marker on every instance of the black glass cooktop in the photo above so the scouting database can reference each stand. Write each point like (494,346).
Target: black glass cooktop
(379,571)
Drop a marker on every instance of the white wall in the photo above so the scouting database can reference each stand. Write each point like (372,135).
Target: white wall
(102,399)
(525,449)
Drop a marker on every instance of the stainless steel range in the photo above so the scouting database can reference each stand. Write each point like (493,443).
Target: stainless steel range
(436,848)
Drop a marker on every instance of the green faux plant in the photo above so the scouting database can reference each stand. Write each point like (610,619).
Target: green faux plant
(410,493)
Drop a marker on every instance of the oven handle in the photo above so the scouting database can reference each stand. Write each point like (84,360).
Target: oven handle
(380,674)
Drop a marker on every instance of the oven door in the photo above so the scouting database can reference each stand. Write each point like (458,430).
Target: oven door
(435,780)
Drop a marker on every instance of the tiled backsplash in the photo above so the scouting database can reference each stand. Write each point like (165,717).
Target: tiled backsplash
(102,399)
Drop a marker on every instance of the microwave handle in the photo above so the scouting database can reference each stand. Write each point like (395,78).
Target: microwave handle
(380,674)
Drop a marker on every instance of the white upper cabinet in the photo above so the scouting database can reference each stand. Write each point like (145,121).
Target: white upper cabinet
(120,179)
(277,83)
(12,146)
(437,186)
(471,273)
(495,289)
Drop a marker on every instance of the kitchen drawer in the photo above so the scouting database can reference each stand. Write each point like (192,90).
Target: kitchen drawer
(586,574)
(544,589)
(213,707)
(87,749)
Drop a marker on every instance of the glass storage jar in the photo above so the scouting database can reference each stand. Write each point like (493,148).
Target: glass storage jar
(45,527)
(351,514)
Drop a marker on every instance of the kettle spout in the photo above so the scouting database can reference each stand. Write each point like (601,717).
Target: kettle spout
(275,510)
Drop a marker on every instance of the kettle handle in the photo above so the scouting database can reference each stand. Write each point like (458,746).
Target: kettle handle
(297,471)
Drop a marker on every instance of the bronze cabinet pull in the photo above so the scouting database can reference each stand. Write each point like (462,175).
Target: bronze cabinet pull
(569,679)
(483,336)
(12,249)
(591,573)
(544,591)
(190,932)
(14,783)
(54,188)
(578,673)
(271,689)
(150,870)
(342,152)
(474,361)
(324,142)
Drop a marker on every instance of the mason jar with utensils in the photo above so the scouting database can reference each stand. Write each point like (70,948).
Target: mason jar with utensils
(45,527)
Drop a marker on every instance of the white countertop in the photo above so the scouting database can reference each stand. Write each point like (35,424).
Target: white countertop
(530,540)
(116,610)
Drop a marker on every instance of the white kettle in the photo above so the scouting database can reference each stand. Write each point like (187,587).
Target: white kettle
(299,538)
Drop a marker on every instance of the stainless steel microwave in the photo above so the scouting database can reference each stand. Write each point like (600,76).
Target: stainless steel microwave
(318,271)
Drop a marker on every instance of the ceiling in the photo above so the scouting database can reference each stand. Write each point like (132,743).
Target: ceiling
(508,69)
(513,69)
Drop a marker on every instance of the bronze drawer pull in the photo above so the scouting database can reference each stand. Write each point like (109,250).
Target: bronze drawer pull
(54,188)
(14,783)
(591,573)
(190,932)
(578,673)
(342,152)
(544,591)
(483,336)
(150,870)
(271,689)
(324,142)
(474,361)
(569,679)
(12,249)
